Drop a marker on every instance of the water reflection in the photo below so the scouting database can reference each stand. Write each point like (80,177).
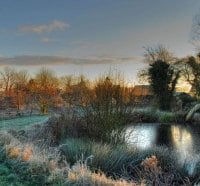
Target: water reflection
(184,140)
(164,135)
(142,137)
(183,143)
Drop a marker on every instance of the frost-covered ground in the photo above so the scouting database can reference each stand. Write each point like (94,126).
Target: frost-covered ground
(24,161)
(20,123)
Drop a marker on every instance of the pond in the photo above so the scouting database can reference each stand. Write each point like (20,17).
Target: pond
(185,140)
(22,122)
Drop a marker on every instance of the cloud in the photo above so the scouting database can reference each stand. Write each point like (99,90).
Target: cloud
(47,40)
(31,60)
(42,28)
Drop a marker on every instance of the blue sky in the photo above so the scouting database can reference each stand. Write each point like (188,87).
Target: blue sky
(107,33)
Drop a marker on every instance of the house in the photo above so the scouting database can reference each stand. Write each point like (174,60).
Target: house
(142,91)
(142,95)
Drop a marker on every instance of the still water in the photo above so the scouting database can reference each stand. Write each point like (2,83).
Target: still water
(184,140)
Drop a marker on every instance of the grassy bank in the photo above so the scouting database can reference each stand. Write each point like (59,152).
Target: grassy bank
(33,158)
(78,162)
(27,164)
(149,115)
(120,161)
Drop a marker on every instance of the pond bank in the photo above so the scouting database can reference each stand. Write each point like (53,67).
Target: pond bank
(147,115)
(86,160)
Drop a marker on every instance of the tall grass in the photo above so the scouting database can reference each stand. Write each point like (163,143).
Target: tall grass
(119,161)
(23,163)
(82,161)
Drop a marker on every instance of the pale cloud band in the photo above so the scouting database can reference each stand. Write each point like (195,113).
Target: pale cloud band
(48,40)
(42,28)
(29,60)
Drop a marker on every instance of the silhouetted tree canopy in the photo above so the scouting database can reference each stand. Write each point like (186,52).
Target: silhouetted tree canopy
(163,80)
(161,73)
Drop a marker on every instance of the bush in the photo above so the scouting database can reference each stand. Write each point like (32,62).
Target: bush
(144,115)
(150,115)
(108,109)
(166,117)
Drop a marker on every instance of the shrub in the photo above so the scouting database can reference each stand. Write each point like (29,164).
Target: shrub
(144,115)
(166,117)
(108,110)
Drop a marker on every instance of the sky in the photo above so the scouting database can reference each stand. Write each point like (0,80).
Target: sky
(91,37)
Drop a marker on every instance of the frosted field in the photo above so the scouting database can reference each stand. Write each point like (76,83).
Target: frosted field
(20,123)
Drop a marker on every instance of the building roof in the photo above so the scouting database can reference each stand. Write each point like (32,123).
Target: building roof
(142,90)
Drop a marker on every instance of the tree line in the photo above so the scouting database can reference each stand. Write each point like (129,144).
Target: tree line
(45,90)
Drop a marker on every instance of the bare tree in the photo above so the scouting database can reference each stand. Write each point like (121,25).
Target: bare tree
(20,87)
(191,73)
(66,81)
(47,85)
(81,91)
(66,84)
(159,52)
(8,80)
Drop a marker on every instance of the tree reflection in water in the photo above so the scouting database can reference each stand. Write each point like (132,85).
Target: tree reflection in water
(178,137)
(183,144)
